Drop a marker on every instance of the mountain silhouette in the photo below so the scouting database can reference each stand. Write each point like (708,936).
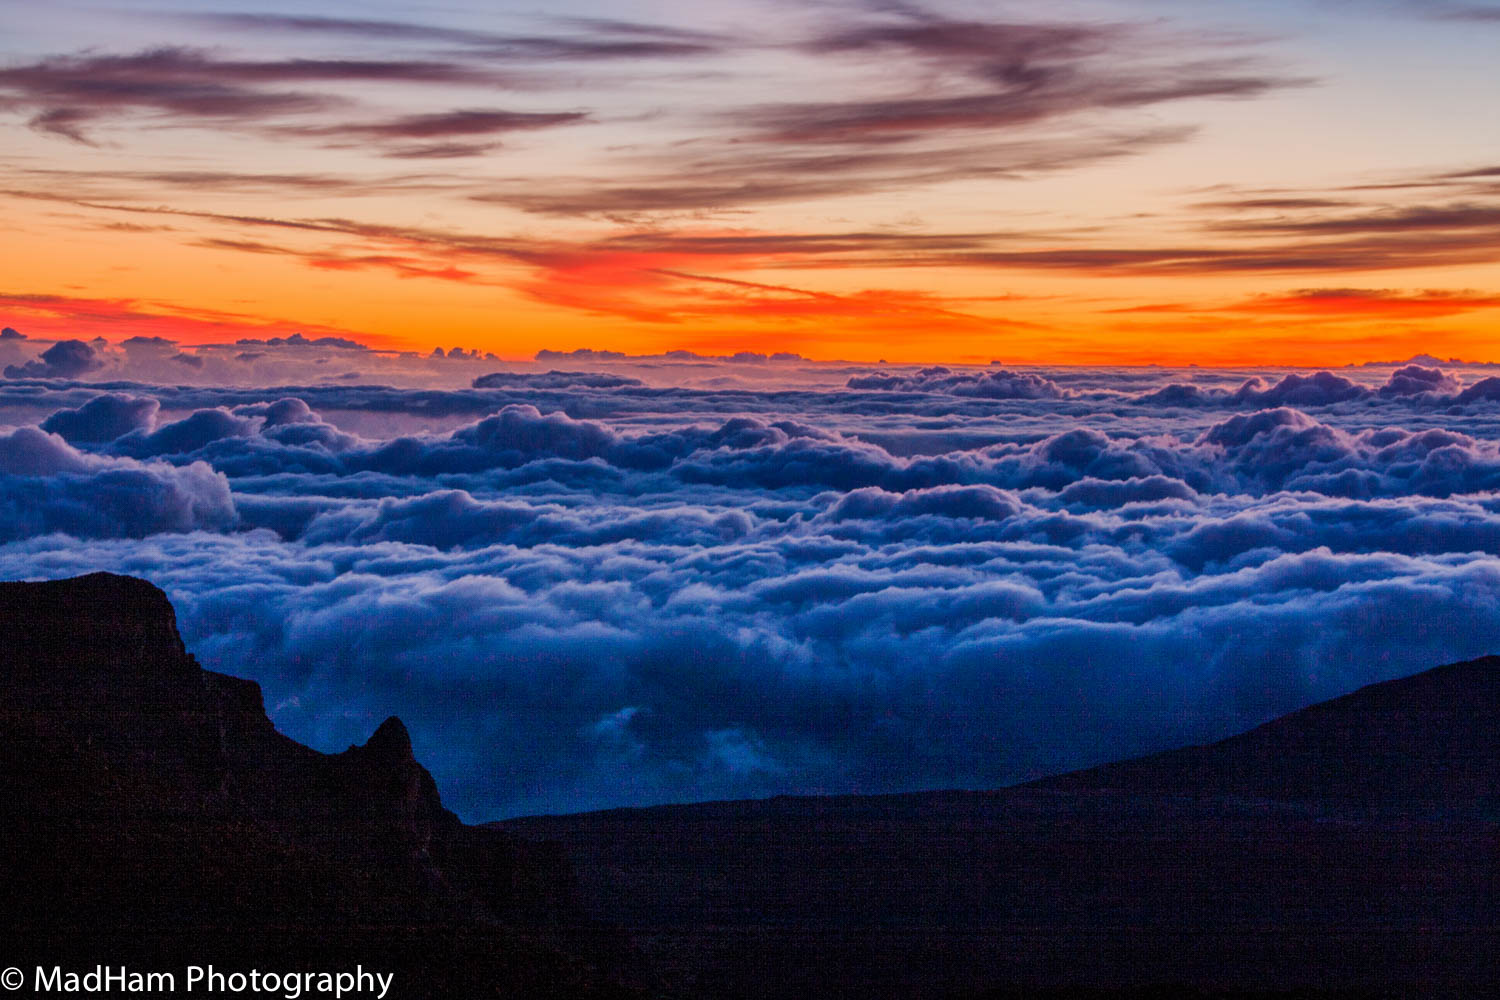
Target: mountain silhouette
(1430,739)
(156,817)
(1345,850)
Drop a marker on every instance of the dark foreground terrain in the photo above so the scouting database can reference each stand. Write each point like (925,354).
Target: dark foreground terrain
(155,818)
(1348,849)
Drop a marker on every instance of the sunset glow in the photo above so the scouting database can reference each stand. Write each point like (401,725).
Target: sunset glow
(1122,182)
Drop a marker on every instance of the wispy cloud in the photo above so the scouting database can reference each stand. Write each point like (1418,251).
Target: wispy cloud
(915,99)
(576,39)
(429,136)
(1354,304)
(1272,204)
(753,171)
(1454,10)
(130,185)
(1360,303)
(67,92)
(1413,219)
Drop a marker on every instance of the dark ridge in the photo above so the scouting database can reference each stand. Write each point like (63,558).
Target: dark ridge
(1432,738)
(156,818)
(1343,850)
(390,740)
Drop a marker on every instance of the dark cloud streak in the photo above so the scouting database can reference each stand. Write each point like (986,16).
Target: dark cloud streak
(196,86)
(589,39)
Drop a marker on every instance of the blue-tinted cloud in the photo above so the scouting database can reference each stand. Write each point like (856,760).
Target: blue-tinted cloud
(48,486)
(65,359)
(104,418)
(987,385)
(585,589)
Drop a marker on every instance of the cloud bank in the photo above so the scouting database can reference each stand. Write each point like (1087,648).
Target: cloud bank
(605,587)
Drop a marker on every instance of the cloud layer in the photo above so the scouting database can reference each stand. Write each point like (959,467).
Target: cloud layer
(589,588)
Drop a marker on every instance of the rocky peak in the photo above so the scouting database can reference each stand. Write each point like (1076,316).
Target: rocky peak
(169,783)
(390,741)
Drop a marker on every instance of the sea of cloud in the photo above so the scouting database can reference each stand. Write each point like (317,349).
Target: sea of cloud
(601,581)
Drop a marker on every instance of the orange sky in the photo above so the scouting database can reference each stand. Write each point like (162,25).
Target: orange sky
(1106,185)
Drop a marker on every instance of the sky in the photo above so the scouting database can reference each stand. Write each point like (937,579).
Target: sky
(1086,181)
